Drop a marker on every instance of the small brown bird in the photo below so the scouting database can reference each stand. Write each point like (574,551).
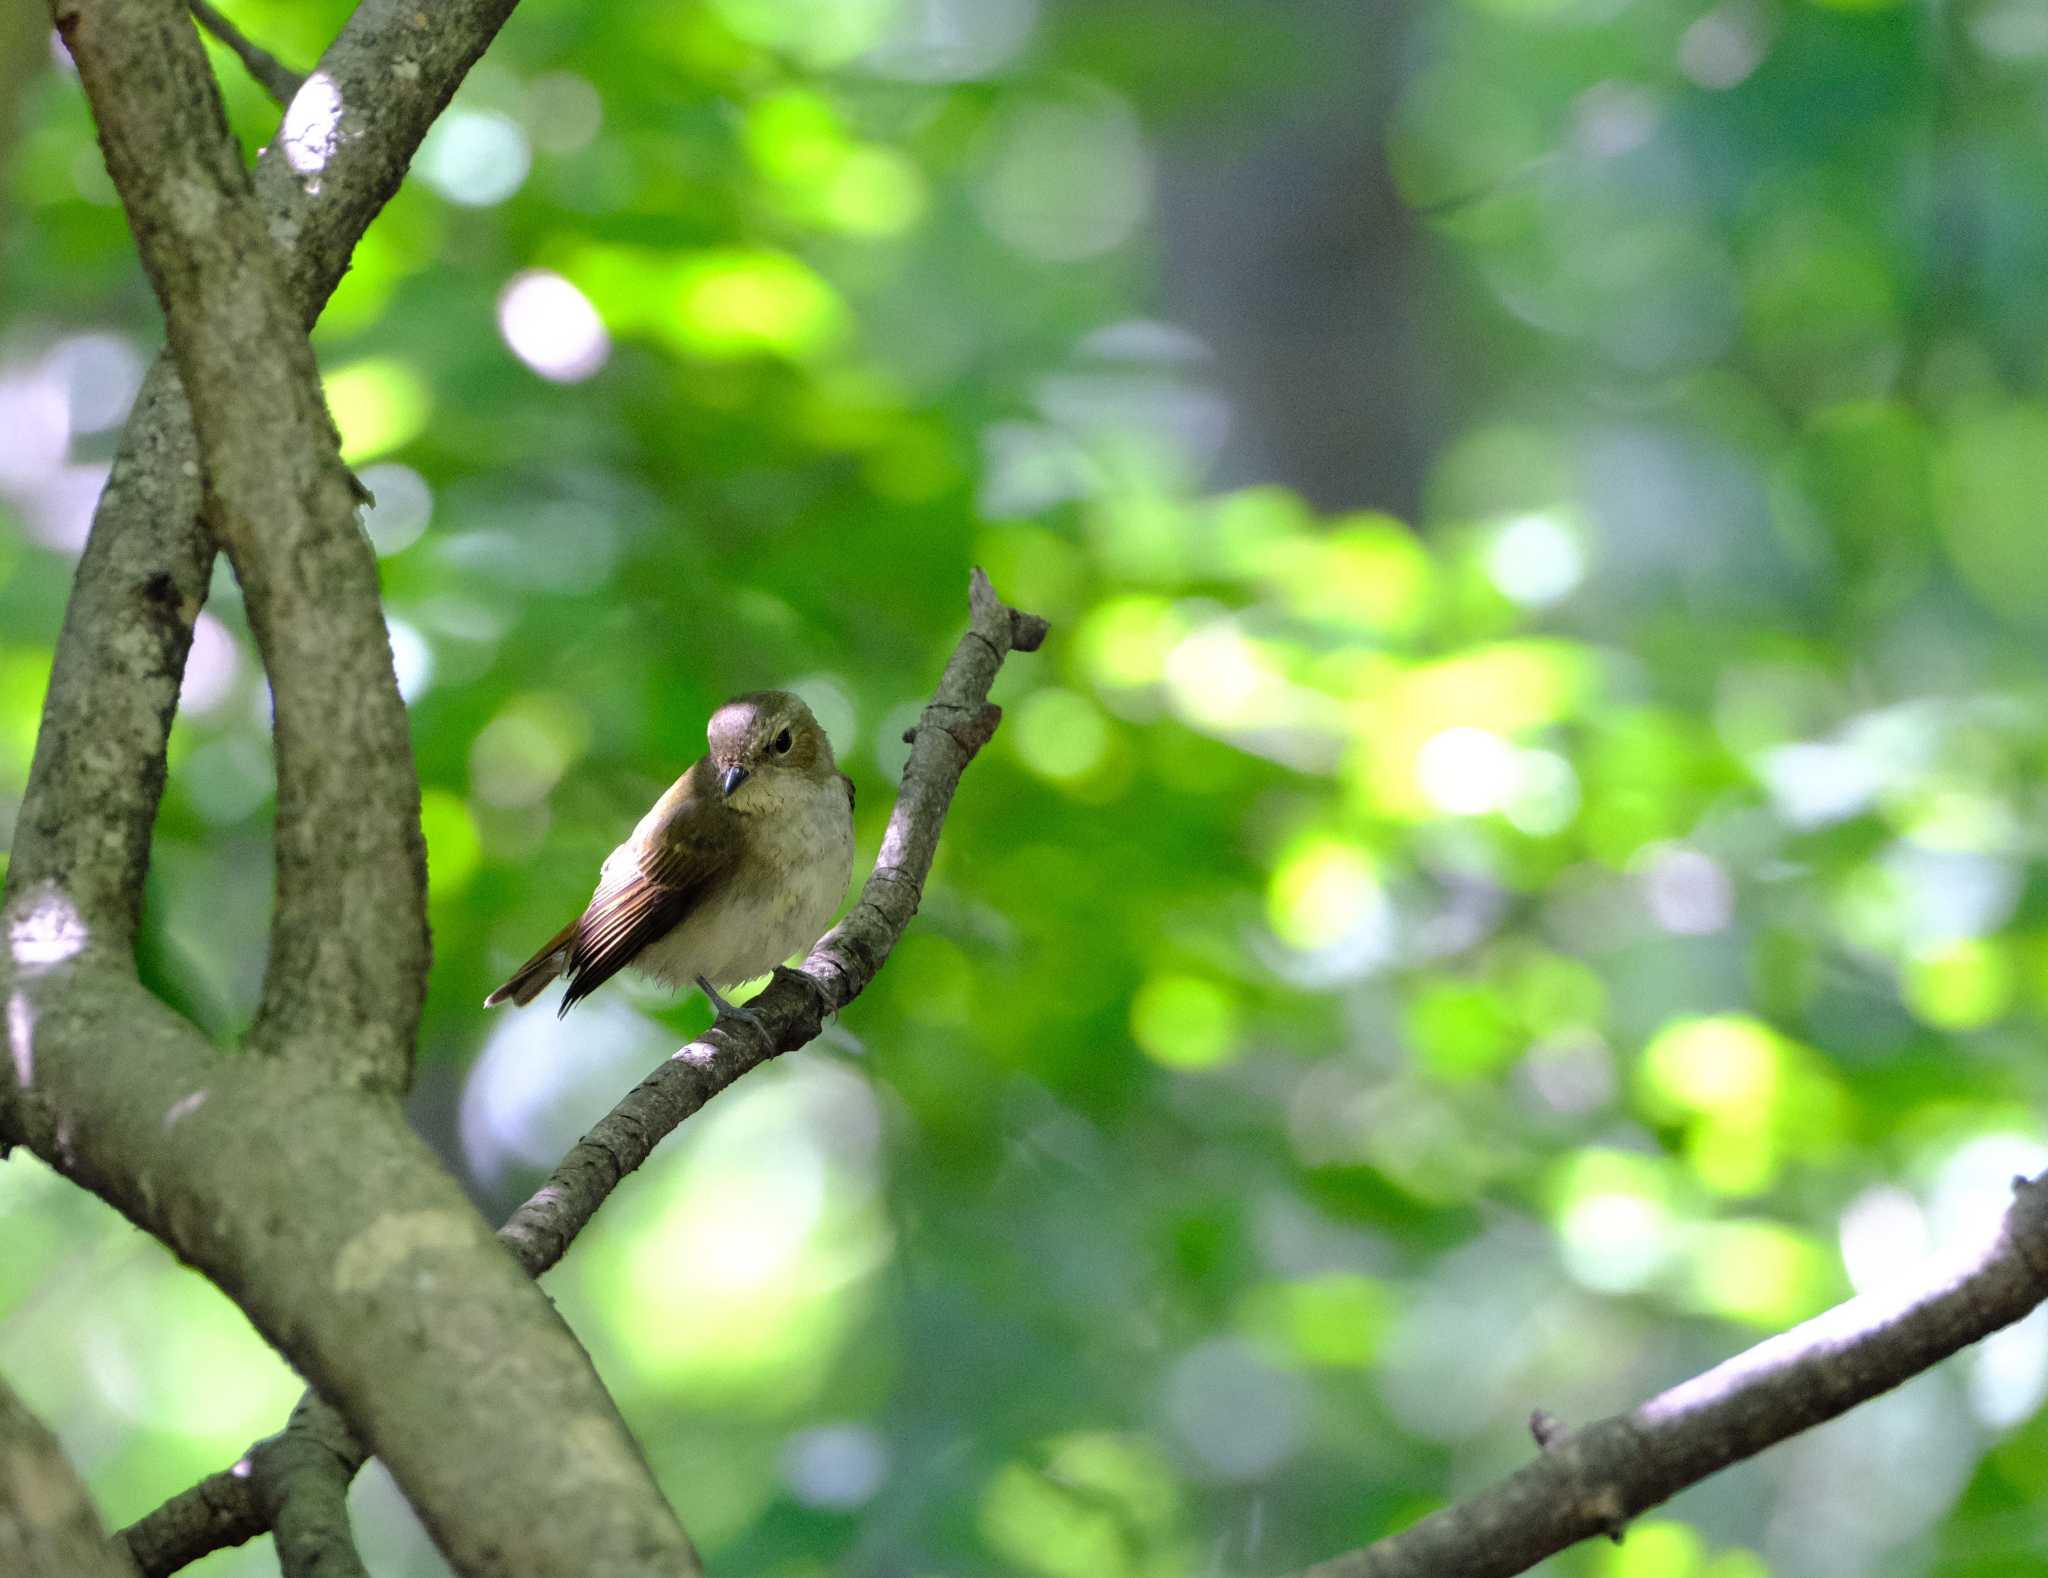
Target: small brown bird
(741,863)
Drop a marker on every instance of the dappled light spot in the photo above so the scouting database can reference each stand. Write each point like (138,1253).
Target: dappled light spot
(2007,1373)
(563,112)
(1764,1273)
(229,777)
(1658,1548)
(798,140)
(1064,178)
(1185,1021)
(524,1104)
(1727,1063)
(211,667)
(1813,784)
(1612,118)
(1227,682)
(312,126)
(952,40)
(1722,48)
(1546,794)
(1458,136)
(2015,30)
(836,1467)
(1883,1239)
(1126,642)
(379,404)
(412,659)
(873,192)
(100,373)
(1915,900)
(454,846)
(1461,1030)
(58,514)
(1336,1321)
(46,933)
(1089,1505)
(738,303)
(1365,571)
(1324,900)
(1028,467)
(477,158)
(1973,1186)
(1687,891)
(404,506)
(1616,1219)
(518,757)
(1959,985)
(1234,1413)
(818,33)
(1748,1099)
(552,327)
(1060,734)
(37,421)
(1466,772)
(738,1271)
(1536,559)
(1570,1073)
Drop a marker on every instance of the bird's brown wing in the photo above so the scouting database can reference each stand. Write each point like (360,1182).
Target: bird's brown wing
(652,882)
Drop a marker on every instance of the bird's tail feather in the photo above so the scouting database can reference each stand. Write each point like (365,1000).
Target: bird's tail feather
(532,978)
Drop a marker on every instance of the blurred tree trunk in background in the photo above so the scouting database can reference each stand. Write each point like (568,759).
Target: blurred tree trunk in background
(1286,248)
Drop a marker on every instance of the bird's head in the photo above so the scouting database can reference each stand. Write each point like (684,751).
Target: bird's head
(765,746)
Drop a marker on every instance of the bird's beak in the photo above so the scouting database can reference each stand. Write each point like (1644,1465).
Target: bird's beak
(734,777)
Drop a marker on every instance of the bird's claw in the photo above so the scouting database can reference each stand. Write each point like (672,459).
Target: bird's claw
(723,1009)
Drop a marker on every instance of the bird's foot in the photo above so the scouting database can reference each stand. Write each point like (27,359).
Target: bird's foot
(811,984)
(725,1010)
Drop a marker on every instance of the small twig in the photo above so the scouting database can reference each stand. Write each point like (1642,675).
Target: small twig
(227,1508)
(272,75)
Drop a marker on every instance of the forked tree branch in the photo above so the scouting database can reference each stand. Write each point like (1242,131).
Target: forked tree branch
(227,1508)
(316,1235)
(98,772)
(271,74)
(1592,1481)
(47,1522)
(348,950)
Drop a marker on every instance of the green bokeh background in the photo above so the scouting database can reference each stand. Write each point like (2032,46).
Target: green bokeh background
(1517,873)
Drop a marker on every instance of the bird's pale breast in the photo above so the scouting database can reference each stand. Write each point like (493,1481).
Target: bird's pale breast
(799,857)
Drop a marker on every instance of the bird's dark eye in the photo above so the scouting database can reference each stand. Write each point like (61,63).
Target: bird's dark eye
(782,743)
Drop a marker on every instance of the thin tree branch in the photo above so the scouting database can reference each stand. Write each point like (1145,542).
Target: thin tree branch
(348,952)
(271,74)
(47,1522)
(227,1507)
(1592,1481)
(302,1479)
